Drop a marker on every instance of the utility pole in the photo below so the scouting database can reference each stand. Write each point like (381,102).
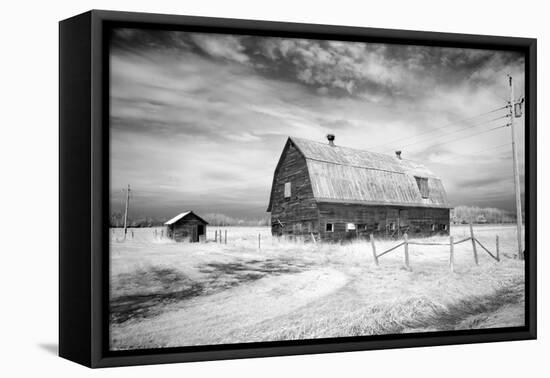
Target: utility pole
(126,211)
(516,169)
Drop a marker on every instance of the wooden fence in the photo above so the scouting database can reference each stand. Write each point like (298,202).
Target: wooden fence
(218,238)
(405,243)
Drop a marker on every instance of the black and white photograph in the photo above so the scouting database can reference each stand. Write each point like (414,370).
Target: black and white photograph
(269,189)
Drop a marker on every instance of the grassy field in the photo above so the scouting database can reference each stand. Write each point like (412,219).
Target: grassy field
(166,294)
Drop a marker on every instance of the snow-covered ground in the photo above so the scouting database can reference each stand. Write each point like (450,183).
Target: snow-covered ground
(177,294)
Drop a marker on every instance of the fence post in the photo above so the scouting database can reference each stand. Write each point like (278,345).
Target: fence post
(498,249)
(225,239)
(259,241)
(406,237)
(474,244)
(373,249)
(452,255)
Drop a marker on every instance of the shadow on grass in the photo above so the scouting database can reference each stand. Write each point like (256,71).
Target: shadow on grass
(147,305)
(227,275)
(268,266)
(144,293)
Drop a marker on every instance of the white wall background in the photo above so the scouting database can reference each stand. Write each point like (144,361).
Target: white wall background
(28,158)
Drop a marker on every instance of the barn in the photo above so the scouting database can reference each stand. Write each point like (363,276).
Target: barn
(186,226)
(328,192)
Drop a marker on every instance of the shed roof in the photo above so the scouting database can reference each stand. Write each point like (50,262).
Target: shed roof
(348,175)
(182,216)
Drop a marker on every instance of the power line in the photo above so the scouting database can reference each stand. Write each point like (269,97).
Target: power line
(469,136)
(474,152)
(455,131)
(440,128)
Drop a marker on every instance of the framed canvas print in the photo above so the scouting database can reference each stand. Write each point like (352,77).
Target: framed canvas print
(233,188)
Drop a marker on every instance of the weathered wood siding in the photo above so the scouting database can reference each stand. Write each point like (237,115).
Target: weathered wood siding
(383,221)
(422,219)
(298,213)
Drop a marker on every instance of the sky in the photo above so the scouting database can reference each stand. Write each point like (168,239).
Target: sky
(198,121)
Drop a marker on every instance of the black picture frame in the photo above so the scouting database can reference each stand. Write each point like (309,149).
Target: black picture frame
(84,205)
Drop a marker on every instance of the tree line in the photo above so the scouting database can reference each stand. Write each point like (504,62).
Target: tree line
(460,214)
(475,214)
(214,219)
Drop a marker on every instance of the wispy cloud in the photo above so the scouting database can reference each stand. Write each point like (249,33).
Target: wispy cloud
(221,46)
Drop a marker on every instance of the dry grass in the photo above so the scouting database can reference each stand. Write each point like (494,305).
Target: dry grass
(175,294)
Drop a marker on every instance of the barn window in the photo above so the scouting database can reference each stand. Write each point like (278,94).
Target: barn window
(392,226)
(443,227)
(350,227)
(329,227)
(433,227)
(287,189)
(422,183)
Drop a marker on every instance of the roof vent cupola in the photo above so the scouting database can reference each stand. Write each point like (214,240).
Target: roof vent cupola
(330,138)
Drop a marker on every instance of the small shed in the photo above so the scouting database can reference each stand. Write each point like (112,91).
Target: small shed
(186,226)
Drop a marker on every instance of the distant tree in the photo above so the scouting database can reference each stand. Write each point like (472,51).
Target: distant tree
(218,219)
(214,219)
(475,214)
(116,220)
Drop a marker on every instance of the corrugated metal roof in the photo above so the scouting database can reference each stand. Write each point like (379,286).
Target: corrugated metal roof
(358,158)
(348,175)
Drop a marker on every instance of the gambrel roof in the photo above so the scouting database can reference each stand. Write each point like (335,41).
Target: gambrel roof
(348,175)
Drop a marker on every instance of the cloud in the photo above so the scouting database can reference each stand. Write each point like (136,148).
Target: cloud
(221,46)
(327,65)
(380,71)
